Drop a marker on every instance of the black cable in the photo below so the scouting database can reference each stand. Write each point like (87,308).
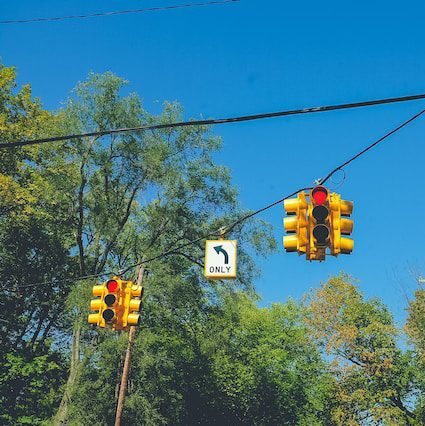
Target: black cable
(322,181)
(120,12)
(169,251)
(229,227)
(214,121)
(226,229)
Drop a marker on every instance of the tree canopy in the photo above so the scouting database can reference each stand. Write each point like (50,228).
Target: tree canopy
(206,352)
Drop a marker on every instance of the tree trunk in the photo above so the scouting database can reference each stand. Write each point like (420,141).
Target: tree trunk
(61,416)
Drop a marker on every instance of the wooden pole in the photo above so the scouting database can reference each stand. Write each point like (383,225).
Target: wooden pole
(126,367)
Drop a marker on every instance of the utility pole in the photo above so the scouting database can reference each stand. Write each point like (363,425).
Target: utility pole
(127,360)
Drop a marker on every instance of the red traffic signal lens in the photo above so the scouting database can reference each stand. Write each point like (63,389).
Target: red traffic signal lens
(319,194)
(112,285)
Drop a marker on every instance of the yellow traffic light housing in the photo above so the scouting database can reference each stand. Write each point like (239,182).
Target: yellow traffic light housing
(118,304)
(97,305)
(109,305)
(297,224)
(320,221)
(341,210)
(132,304)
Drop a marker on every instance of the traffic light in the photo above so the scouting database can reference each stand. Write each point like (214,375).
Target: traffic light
(319,223)
(118,304)
(132,304)
(97,305)
(112,314)
(110,304)
(341,225)
(296,223)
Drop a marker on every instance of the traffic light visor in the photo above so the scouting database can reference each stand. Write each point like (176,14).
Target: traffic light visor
(290,243)
(290,224)
(319,194)
(137,291)
(93,318)
(112,285)
(346,207)
(133,319)
(98,290)
(135,305)
(95,304)
(347,245)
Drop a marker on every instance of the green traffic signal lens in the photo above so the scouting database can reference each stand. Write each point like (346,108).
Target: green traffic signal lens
(321,234)
(108,315)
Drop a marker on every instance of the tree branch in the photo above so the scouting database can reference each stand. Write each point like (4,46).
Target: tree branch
(120,226)
(198,262)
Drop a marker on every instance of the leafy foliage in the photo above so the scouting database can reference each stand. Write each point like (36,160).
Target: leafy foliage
(374,378)
(206,353)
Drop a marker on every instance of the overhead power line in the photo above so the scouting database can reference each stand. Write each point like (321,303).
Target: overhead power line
(214,121)
(119,12)
(372,145)
(229,227)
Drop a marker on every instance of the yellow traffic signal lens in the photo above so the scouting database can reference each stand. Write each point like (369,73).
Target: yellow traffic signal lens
(110,299)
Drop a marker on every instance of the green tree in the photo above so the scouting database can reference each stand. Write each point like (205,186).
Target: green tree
(135,196)
(415,326)
(198,362)
(33,248)
(266,368)
(375,379)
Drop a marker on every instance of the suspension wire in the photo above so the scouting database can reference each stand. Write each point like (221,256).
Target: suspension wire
(229,227)
(119,12)
(372,145)
(208,122)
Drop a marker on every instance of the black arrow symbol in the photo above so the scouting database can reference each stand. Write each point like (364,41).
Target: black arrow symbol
(219,249)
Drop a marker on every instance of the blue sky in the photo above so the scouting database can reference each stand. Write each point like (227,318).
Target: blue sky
(258,56)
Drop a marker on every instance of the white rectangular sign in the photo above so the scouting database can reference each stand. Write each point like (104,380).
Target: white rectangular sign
(220,259)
